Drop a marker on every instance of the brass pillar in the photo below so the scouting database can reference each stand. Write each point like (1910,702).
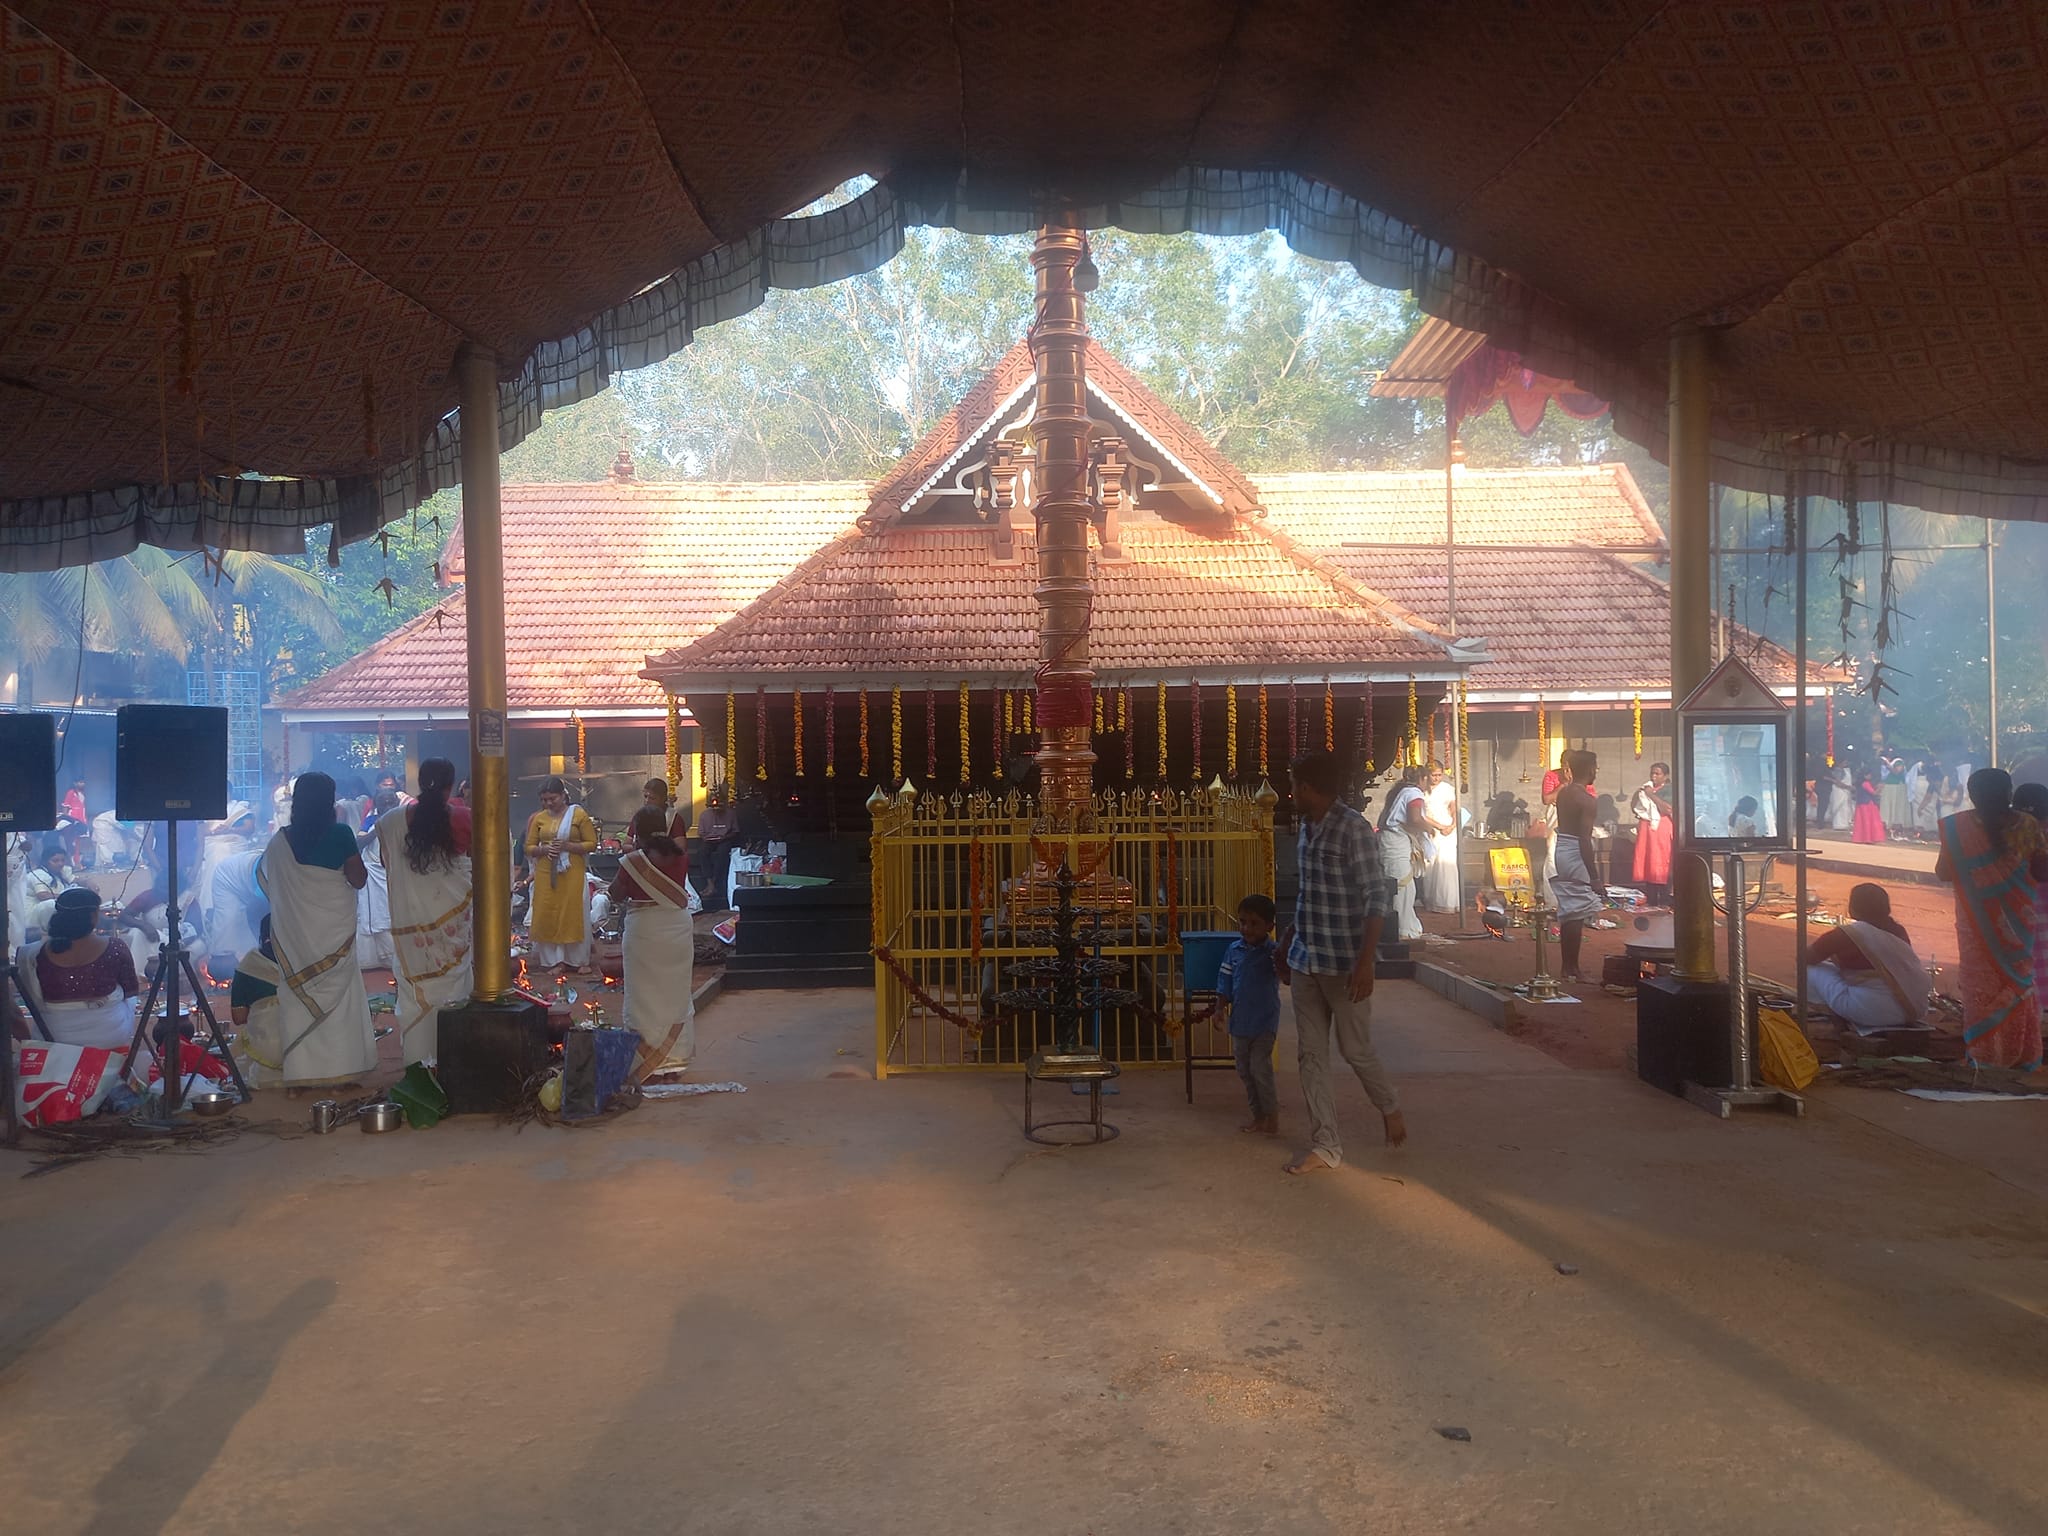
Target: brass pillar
(1691,628)
(1059,435)
(483,597)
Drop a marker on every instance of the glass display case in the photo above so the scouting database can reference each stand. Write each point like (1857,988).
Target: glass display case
(1734,783)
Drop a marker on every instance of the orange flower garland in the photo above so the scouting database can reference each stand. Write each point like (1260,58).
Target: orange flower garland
(863,733)
(895,736)
(796,728)
(1329,718)
(1264,771)
(966,750)
(1230,730)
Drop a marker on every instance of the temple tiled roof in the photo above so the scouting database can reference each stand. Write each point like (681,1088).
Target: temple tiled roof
(1580,504)
(1557,622)
(916,602)
(596,576)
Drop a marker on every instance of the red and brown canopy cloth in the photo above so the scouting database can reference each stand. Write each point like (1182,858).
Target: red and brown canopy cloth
(243,238)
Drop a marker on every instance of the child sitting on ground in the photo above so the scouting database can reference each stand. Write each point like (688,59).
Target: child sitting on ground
(1249,983)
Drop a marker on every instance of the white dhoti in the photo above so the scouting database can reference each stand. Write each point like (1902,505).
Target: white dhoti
(1572,888)
(661,953)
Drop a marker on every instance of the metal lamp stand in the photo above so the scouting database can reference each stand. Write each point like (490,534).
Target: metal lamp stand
(1744,1091)
(173,961)
(1543,986)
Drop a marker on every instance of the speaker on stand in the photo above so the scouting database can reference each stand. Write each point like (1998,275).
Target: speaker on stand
(28,803)
(171,765)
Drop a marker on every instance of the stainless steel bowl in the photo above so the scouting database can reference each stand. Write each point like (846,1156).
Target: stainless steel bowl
(380,1117)
(208,1105)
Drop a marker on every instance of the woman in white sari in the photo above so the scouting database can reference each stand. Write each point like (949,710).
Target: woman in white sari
(661,946)
(312,871)
(1866,971)
(425,849)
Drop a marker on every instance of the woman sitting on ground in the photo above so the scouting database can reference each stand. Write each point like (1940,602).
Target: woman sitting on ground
(661,944)
(80,981)
(1866,971)
(1988,854)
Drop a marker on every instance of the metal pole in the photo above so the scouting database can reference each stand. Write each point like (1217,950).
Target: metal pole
(1451,622)
(1691,630)
(174,1038)
(1801,546)
(483,596)
(1738,979)
(1059,435)
(1991,629)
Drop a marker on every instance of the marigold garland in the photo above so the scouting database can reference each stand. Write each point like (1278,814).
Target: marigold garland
(1009,718)
(1370,767)
(831,732)
(931,736)
(1542,738)
(1433,714)
(761,733)
(1293,723)
(1123,725)
(1195,728)
(1099,712)
(1636,718)
(672,743)
(895,736)
(732,737)
(863,733)
(998,748)
(1230,730)
(1414,734)
(582,758)
(966,748)
(1162,733)
(1264,771)
(1028,696)
(796,728)
(1329,718)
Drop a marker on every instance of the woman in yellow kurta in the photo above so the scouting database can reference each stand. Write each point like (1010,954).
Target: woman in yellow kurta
(559,840)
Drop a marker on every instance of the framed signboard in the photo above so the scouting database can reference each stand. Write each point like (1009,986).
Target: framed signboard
(1735,788)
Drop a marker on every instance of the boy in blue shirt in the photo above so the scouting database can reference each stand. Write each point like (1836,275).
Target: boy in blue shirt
(1250,983)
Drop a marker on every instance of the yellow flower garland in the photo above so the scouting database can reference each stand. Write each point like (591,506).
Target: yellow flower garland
(1264,771)
(895,736)
(796,729)
(966,750)
(582,760)
(1414,726)
(1098,712)
(1542,739)
(1162,733)
(831,732)
(1230,730)
(1464,740)
(732,737)
(1329,718)
(1028,694)
(1636,710)
(672,745)
(1009,716)
(863,733)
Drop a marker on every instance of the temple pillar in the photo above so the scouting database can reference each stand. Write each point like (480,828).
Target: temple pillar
(1063,509)
(483,594)
(1691,627)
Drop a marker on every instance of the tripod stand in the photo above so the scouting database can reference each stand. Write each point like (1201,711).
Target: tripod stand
(173,961)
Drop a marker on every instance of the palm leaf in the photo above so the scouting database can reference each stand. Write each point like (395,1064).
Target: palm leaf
(298,593)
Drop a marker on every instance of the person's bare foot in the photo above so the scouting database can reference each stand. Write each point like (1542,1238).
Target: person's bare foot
(1270,1126)
(1252,1125)
(1397,1127)
(1308,1162)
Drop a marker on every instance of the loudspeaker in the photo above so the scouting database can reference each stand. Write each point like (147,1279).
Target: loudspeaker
(170,763)
(28,772)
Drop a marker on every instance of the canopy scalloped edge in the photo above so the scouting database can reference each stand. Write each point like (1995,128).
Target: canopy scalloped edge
(1314,218)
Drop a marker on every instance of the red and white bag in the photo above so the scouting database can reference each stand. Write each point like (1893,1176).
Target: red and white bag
(55,1082)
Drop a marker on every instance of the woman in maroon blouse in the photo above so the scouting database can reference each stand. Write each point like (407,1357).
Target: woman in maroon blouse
(82,983)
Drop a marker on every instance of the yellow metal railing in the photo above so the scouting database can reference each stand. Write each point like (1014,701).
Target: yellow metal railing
(946,872)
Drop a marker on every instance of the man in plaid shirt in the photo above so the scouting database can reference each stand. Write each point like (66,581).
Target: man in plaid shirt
(1343,899)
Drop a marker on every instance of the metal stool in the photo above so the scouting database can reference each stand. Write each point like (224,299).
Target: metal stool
(1069,1067)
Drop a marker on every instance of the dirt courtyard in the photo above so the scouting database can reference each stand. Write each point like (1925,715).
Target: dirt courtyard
(832,1304)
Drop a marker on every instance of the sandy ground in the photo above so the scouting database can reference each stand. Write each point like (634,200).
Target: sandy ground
(840,1305)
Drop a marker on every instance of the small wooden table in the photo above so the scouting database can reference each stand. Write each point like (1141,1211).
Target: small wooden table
(1069,1067)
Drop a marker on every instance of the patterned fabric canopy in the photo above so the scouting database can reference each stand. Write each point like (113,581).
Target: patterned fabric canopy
(245,237)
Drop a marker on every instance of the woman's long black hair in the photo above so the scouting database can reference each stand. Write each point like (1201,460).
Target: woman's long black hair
(429,831)
(312,813)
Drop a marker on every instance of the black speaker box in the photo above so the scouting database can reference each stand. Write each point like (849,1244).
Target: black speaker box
(170,763)
(28,772)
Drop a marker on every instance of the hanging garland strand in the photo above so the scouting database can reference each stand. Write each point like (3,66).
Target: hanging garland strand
(1162,733)
(582,755)
(1465,739)
(1230,731)
(863,734)
(895,736)
(796,728)
(1123,725)
(1027,711)
(1542,738)
(1414,735)
(1370,766)
(966,748)
(672,743)
(1329,718)
(1293,722)
(1100,711)
(831,732)
(1009,719)
(1265,769)
(931,736)
(1636,719)
(1195,728)
(761,733)
(732,738)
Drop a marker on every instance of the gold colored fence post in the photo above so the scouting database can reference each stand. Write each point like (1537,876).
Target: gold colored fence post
(483,596)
